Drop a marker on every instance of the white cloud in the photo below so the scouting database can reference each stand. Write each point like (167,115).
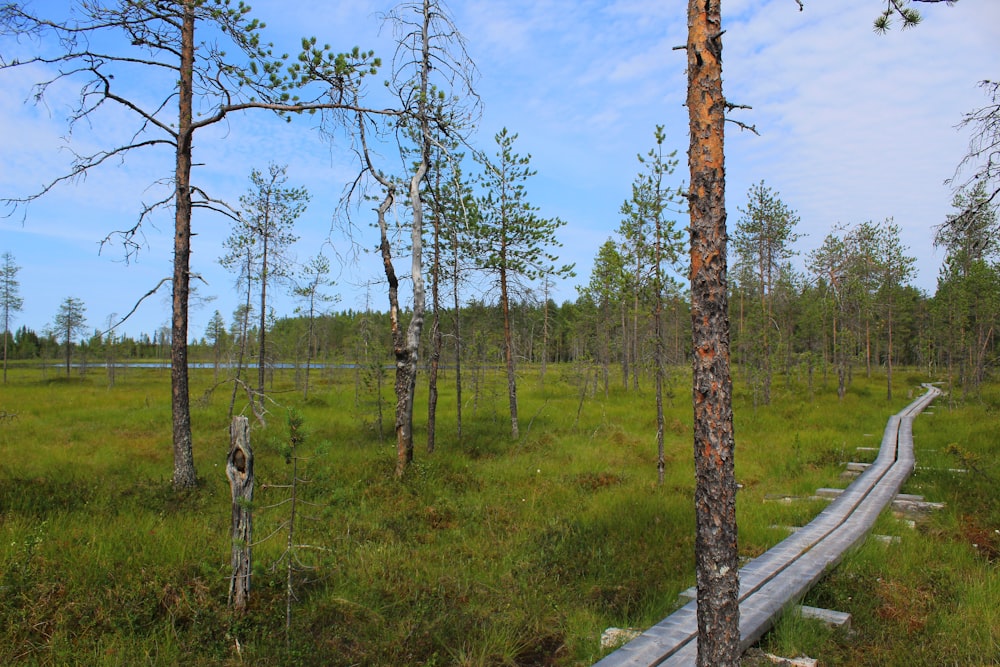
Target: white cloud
(854,126)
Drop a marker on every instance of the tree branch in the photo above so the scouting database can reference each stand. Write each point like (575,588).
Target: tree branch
(743,126)
(82,166)
(137,304)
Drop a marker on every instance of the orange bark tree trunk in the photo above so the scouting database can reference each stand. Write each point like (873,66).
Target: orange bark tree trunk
(715,492)
(184,472)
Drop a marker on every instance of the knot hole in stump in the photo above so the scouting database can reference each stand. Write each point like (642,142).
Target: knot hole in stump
(240,461)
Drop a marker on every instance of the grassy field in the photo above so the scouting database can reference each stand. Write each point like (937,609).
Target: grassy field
(490,552)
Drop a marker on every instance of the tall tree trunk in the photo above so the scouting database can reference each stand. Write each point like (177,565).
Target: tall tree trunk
(184,472)
(888,368)
(840,352)
(741,355)
(458,340)
(868,348)
(625,346)
(766,328)
(660,370)
(606,346)
(406,359)
(984,339)
(716,561)
(508,345)
(432,391)
(244,330)
(635,324)
(262,334)
(405,364)
(405,344)
(432,380)
(545,329)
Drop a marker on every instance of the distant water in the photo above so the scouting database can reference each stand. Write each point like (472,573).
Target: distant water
(195,364)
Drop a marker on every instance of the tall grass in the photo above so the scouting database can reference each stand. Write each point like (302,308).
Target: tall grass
(489,552)
(933,596)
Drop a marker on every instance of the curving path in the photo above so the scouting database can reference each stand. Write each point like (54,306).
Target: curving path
(782,576)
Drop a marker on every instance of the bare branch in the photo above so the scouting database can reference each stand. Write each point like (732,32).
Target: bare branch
(226,109)
(983,156)
(82,165)
(743,126)
(216,205)
(136,306)
(128,235)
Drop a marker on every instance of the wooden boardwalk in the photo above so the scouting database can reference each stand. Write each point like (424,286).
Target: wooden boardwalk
(782,576)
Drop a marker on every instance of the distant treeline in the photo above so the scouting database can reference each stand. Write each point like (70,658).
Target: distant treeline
(810,334)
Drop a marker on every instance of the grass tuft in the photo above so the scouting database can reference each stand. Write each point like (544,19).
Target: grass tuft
(488,552)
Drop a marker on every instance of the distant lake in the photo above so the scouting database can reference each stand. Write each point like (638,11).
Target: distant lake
(196,364)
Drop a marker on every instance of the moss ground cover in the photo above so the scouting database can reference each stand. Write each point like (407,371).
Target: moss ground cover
(489,552)
(932,597)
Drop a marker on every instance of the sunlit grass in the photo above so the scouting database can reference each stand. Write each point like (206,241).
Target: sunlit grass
(489,552)
(930,597)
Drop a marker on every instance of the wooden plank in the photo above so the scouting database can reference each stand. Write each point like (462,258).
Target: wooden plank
(835,619)
(772,582)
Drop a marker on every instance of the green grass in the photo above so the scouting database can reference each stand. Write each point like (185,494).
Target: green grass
(932,598)
(489,552)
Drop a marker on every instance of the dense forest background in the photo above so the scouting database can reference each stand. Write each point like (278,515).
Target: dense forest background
(851,310)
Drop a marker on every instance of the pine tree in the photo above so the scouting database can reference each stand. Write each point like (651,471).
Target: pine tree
(762,244)
(69,322)
(967,305)
(312,279)
(216,335)
(10,301)
(607,289)
(716,556)
(657,244)
(269,212)
(513,244)
(230,71)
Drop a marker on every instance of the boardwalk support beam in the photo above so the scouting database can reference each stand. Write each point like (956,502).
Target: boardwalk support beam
(775,581)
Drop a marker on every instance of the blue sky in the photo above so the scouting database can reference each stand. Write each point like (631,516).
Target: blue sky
(853,127)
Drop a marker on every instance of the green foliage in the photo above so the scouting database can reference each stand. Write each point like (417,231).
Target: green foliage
(485,554)
(10,303)
(68,323)
(510,237)
(898,8)
(764,283)
(263,231)
(10,297)
(966,306)
(296,434)
(926,598)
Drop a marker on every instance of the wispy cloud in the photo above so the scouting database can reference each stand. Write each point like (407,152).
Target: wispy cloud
(853,126)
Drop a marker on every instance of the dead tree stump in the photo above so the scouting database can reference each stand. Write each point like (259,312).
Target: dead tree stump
(239,470)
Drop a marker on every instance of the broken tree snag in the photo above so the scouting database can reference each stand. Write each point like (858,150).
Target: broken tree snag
(239,470)
(715,490)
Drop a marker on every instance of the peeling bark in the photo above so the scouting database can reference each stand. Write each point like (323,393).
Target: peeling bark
(239,471)
(715,492)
